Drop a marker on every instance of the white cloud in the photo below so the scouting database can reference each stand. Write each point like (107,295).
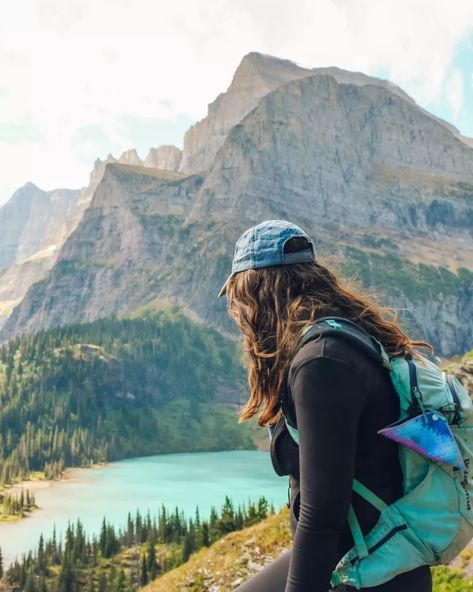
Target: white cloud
(69,65)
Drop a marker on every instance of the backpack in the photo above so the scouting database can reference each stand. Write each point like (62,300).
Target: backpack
(433,520)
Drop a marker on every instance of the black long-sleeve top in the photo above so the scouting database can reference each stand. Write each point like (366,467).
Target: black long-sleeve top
(340,398)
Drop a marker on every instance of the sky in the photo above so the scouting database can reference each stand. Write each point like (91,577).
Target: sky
(83,78)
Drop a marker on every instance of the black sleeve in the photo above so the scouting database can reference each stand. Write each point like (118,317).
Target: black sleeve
(328,398)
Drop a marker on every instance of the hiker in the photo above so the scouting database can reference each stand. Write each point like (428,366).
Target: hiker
(338,396)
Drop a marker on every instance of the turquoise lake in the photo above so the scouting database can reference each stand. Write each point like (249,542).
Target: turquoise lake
(183,480)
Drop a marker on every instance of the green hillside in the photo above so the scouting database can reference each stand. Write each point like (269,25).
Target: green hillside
(117,388)
(233,559)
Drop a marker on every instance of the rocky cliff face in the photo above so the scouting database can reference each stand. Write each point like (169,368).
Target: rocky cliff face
(31,220)
(36,224)
(255,77)
(33,226)
(385,189)
(167,158)
(116,255)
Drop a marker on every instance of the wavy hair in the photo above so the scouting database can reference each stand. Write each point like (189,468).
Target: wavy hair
(272,305)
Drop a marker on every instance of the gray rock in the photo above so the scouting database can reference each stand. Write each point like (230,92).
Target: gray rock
(33,219)
(167,158)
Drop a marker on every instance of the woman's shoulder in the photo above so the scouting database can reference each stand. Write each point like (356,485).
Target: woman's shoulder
(329,347)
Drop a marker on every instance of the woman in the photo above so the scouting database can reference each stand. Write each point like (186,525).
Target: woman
(338,395)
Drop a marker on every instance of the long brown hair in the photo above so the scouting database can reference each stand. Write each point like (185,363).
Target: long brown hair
(272,305)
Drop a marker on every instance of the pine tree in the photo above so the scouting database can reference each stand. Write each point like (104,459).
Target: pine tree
(214,525)
(188,546)
(152,564)
(41,560)
(103,537)
(67,577)
(205,535)
(227,516)
(144,571)
(263,506)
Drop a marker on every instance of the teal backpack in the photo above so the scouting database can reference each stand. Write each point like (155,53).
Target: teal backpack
(433,521)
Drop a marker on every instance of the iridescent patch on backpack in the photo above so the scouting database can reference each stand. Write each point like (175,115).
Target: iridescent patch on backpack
(428,434)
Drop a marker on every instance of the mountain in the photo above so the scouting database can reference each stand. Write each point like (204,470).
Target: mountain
(255,77)
(167,158)
(33,219)
(164,157)
(34,224)
(111,389)
(385,189)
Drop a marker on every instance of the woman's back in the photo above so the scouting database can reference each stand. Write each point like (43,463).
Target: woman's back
(340,398)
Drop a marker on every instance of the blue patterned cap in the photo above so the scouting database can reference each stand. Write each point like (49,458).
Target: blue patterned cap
(263,246)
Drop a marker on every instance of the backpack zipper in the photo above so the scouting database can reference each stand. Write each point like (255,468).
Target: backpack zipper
(385,538)
(416,395)
(458,416)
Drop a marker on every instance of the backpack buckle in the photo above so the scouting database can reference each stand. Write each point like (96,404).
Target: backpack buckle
(454,409)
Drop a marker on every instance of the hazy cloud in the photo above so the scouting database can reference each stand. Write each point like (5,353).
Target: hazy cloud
(126,67)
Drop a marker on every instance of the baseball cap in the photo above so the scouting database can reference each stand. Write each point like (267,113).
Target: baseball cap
(263,246)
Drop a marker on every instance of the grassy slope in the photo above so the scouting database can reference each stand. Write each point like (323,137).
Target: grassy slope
(230,560)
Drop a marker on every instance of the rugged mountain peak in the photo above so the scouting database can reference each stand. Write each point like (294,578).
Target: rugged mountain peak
(361,79)
(23,195)
(165,157)
(130,157)
(259,72)
(29,185)
(256,75)
(14,217)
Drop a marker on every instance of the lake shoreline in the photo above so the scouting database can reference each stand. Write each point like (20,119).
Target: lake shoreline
(34,484)
(145,484)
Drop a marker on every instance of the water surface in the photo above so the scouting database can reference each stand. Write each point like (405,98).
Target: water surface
(183,480)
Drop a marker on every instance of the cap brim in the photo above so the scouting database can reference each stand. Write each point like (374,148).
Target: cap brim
(223,289)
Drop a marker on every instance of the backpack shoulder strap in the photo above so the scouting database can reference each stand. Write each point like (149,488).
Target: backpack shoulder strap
(350,331)
(343,329)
